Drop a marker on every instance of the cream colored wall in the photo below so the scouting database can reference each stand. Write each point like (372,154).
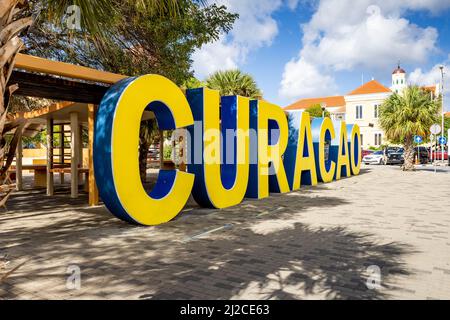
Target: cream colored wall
(34,153)
(41,154)
(368,125)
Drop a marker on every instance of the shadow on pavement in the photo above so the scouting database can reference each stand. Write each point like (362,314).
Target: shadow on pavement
(264,254)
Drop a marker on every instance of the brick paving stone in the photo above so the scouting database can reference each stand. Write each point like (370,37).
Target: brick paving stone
(315,243)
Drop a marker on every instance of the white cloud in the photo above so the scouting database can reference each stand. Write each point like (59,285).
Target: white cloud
(255,28)
(292,4)
(378,41)
(433,77)
(301,78)
(369,34)
(216,56)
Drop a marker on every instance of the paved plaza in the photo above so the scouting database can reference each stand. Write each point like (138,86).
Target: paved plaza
(320,242)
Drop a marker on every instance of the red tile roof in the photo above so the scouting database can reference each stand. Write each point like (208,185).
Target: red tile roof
(335,101)
(370,87)
(430,89)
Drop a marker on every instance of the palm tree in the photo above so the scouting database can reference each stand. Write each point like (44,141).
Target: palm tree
(234,82)
(11,25)
(402,116)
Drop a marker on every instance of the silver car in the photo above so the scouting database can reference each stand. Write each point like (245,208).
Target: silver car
(375,158)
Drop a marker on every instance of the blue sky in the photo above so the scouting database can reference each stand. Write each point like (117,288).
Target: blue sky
(300,48)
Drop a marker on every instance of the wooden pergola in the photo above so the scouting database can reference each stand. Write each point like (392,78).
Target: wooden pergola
(80,89)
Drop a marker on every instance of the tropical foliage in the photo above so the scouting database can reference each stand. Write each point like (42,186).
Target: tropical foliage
(234,82)
(98,15)
(125,36)
(136,40)
(193,83)
(316,111)
(11,25)
(446,125)
(402,116)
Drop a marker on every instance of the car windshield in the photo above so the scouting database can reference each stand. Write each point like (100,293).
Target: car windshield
(378,152)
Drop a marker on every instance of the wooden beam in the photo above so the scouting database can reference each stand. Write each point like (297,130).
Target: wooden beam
(45,86)
(19,154)
(36,64)
(74,149)
(93,191)
(43,111)
(50,186)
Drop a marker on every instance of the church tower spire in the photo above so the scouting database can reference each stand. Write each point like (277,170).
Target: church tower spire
(398,79)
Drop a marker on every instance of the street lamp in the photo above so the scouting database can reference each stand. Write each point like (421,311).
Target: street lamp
(441,67)
(323,105)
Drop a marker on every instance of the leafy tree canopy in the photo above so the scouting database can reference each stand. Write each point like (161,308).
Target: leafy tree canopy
(316,111)
(137,39)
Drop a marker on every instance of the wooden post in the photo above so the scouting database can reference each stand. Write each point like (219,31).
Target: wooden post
(74,151)
(50,186)
(19,154)
(61,151)
(80,152)
(182,150)
(93,191)
(161,149)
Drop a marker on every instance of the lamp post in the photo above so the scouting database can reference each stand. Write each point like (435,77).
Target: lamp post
(443,112)
(323,105)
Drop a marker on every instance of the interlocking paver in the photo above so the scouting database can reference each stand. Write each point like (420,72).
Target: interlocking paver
(315,243)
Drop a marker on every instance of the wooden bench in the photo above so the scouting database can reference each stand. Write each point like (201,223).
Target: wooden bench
(40,173)
(84,171)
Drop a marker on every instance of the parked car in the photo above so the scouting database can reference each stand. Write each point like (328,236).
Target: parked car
(437,154)
(395,157)
(374,158)
(393,149)
(424,155)
(365,153)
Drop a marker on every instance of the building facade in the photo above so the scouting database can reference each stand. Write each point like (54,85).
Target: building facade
(362,106)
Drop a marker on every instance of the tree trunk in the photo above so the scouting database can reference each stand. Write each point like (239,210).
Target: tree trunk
(10,45)
(409,155)
(147,136)
(143,153)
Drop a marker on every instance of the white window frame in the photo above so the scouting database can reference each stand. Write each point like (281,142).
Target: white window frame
(359,112)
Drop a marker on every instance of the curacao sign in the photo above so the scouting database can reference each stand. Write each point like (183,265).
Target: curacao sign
(236,148)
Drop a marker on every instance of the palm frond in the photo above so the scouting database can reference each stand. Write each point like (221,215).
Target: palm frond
(234,82)
(411,113)
(97,15)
